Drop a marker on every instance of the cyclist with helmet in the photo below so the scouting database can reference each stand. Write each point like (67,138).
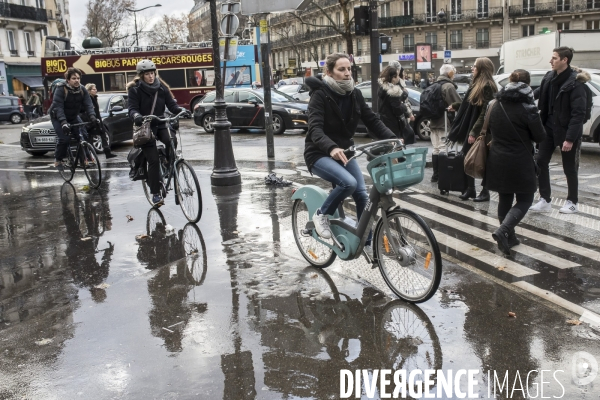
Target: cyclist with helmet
(68,100)
(142,91)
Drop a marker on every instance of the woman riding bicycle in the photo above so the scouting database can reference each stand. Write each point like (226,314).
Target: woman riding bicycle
(334,110)
(145,88)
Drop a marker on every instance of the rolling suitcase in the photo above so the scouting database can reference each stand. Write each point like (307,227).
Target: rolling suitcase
(451,169)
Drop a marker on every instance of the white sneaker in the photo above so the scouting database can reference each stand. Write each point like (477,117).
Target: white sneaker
(541,206)
(322,225)
(569,208)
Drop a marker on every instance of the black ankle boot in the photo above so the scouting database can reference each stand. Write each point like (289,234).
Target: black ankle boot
(501,237)
(505,235)
(512,239)
(484,195)
(434,163)
(470,193)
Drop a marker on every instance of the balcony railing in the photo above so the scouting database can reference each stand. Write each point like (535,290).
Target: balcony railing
(553,8)
(9,10)
(393,22)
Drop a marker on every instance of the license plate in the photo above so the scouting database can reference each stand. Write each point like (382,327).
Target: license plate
(47,139)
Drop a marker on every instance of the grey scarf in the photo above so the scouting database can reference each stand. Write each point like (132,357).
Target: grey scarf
(342,87)
(150,88)
(520,87)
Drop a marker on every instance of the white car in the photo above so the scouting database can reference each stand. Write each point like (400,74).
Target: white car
(591,129)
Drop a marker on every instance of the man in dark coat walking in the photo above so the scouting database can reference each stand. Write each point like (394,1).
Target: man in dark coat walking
(562,103)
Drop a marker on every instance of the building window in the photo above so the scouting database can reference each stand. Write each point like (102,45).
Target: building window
(456,40)
(358,47)
(431,10)
(482,38)
(40,4)
(339,47)
(431,37)
(330,48)
(455,10)
(409,42)
(28,46)
(338,20)
(563,5)
(528,30)
(322,52)
(482,8)
(11,43)
(562,26)
(43,32)
(528,7)
(591,4)
(595,24)
(384,10)
(321,21)
(23,3)
(408,7)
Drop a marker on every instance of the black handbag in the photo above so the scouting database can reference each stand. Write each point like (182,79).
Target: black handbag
(536,167)
(143,134)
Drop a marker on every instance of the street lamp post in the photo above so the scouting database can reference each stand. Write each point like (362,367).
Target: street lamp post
(442,15)
(135,20)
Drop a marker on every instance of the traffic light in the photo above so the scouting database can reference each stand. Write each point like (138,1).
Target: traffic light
(361,20)
(385,44)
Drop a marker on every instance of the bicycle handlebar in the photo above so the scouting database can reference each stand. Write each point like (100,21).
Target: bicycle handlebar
(362,149)
(80,124)
(168,119)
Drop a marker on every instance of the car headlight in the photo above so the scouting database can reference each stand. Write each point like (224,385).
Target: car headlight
(293,111)
(25,129)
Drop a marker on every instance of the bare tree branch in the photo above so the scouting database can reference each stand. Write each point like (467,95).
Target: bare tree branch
(105,19)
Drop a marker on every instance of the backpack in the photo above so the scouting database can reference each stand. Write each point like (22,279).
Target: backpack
(59,82)
(432,104)
(589,104)
(138,165)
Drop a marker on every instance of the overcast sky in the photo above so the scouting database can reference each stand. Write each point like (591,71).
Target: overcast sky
(170,7)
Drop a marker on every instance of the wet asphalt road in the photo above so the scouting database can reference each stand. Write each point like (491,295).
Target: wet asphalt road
(93,305)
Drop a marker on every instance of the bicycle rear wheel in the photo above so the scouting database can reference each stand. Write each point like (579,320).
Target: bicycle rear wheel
(69,167)
(414,273)
(188,191)
(316,253)
(91,166)
(195,251)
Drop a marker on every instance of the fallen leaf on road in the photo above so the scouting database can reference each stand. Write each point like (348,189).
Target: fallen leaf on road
(85,188)
(501,268)
(129,218)
(474,248)
(43,342)
(235,232)
(86,238)
(512,314)
(315,276)
(142,236)
(102,286)
(574,322)
(44,212)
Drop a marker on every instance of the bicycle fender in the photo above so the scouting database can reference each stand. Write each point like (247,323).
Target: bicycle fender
(314,197)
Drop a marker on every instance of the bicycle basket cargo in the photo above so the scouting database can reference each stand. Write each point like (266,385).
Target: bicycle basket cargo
(409,169)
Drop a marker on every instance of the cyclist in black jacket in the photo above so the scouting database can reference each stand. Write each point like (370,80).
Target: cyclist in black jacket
(68,101)
(141,92)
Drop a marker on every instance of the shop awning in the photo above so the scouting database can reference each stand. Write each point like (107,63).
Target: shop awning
(31,81)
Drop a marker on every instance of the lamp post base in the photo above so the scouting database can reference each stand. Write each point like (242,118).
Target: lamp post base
(226,178)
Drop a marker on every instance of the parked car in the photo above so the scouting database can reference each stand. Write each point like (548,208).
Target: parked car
(245,110)
(38,136)
(11,109)
(298,92)
(591,129)
(420,125)
(290,81)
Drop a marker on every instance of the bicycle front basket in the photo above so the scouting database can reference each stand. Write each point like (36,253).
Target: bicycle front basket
(400,169)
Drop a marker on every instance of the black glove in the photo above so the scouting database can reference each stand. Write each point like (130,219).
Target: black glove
(66,128)
(138,120)
(93,119)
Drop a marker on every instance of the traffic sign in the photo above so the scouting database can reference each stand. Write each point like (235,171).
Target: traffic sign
(230,7)
(229,24)
(447,54)
(447,60)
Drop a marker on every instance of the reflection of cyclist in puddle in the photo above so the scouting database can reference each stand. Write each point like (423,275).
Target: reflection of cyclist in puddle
(85,221)
(180,263)
(363,333)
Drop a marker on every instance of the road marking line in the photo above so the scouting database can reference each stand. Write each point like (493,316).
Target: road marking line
(487,236)
(585,315)
(573,248)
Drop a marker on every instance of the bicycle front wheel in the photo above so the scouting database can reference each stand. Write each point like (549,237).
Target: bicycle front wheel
(413,272)
(316,253)
(188,192)
(91,166)
(69,167)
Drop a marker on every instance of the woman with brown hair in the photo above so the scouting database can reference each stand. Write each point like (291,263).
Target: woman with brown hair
(469,120)
(392,107)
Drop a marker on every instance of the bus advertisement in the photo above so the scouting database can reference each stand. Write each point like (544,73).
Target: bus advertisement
(189,72)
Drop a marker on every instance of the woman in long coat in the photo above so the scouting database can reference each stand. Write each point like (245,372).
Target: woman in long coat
(510,169)
(393,111)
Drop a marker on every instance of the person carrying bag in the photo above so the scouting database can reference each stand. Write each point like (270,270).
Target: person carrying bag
(476,158)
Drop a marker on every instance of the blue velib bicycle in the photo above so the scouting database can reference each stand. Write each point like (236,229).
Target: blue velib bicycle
(404,246)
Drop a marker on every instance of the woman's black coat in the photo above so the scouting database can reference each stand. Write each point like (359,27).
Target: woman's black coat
(391,107)
(327,129)
(140,102)
(469,117)
(509,167)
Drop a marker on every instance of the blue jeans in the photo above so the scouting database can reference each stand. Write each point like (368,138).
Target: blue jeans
(62,142)
(348,181)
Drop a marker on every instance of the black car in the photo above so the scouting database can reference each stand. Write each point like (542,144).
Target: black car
(245,110)
(11,109)
(420,125)
(38,136)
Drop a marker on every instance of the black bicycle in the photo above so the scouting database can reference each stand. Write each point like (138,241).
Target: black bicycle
(173,168)
(85,157)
